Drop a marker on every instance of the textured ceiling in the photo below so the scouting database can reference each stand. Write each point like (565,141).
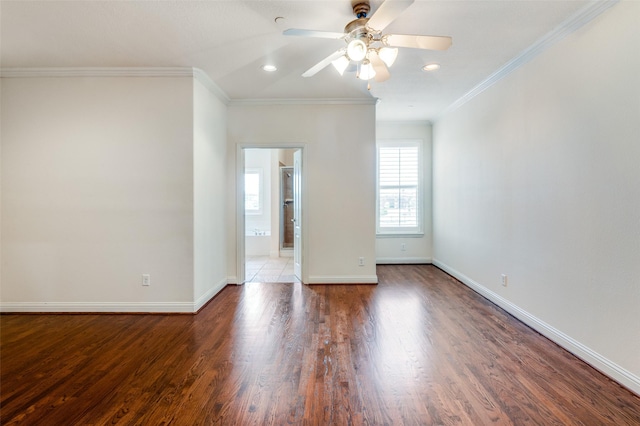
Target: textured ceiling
(231,40)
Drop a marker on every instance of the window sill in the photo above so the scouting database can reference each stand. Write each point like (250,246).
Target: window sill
(401,235)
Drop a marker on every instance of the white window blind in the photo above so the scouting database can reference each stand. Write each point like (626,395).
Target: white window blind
(399,187)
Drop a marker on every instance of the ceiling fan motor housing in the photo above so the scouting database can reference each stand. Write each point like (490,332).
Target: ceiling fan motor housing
(356,29)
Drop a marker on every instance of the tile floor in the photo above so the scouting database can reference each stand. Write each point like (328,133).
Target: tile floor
(265,269)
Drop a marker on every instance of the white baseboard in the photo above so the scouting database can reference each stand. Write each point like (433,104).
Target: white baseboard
(114,307)
(402,260)
(352,279)
(202,300)
(100,307)
(232,280)
(606,366)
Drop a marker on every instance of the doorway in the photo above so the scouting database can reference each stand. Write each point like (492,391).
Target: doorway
(271,214)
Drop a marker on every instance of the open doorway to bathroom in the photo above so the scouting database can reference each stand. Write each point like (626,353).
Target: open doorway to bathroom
(270,201)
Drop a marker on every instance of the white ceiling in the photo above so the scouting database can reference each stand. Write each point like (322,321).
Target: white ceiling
(231,40)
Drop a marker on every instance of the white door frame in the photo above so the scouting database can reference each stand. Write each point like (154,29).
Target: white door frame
(240,215)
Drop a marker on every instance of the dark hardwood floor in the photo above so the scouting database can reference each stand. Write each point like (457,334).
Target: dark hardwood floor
(417,349)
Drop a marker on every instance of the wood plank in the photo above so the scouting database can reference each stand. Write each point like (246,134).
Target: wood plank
(419,348)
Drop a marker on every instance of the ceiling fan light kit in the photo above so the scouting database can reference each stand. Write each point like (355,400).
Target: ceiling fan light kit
(371,51)
(341,64)
(366,71)
(356,50)
(388,55)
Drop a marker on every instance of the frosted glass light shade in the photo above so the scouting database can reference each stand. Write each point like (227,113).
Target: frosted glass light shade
(341,64)
(356,50)
(366,71)
(388,55)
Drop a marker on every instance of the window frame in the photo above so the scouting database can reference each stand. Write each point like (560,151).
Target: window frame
(415,231)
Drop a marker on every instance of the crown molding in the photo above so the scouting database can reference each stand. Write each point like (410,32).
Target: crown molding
(196,73)
(404,123)
(98,72)
(207,82)
(301,101)
(573,23)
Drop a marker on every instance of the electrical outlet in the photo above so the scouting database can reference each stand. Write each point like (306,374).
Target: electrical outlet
(403,247)
(361,261)
(146,279)
(503,277)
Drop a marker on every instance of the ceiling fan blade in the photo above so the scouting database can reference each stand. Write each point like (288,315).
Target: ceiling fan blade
(382,72)
(313,33)
(323,63)
(418,41)
(387,12)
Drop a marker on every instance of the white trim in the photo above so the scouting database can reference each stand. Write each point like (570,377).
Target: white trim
(311,101)
(209,294)
(240,217)
(195,73)
(400,232)
(403,260)
(98,307)
(405,123)
(400,235)
(334,279)
(204,78)
(232,280)
(573,23)
(97,72)
(115,307)
(591,357)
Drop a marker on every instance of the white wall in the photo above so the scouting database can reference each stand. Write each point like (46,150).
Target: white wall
(105,179)
(538,178)
(210,188)
(339,198)
(260,159)
(417,248)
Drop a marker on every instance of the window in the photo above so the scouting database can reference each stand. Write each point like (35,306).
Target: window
(399,189)
(252,190)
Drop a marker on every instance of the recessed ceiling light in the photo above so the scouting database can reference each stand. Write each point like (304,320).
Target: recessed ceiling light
(269,68)
(431,67)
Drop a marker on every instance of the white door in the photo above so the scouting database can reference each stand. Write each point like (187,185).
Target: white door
(297,214)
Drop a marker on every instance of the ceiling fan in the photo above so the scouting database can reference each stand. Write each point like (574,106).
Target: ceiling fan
(367,48)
